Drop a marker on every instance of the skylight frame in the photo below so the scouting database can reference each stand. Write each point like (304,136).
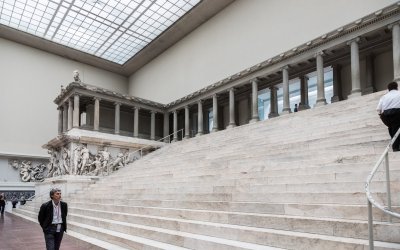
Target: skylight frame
(114,30)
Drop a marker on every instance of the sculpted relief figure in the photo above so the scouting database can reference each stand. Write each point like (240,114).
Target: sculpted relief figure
(28,172)
(105,158)
(76,160)
(76,76)
(25,171)
(65,161)
(117,163)
(85,160)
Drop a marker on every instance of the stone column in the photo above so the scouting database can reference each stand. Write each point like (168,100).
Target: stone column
(117,117)
(75,122)
(200,118)
(396,49)
(136,122)
(175,126)
(355,68)
(337,85)
(232,122)
(286,97)
(65,116)
(60,119)
(321,101)
(153,125)
(273,102)
(304,93)
(187,129)
(96,117)
(254,101)
(70,113)
(369,81)
(166,127)
(215,113)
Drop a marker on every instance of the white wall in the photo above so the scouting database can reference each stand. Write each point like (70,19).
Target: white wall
(30,81)
(242,35)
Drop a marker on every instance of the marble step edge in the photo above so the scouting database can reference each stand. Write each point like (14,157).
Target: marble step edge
(80,237)
(162,233)
(333,227)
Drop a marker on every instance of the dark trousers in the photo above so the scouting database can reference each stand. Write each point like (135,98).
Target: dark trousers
(391,118)
(2,207)
(52,238)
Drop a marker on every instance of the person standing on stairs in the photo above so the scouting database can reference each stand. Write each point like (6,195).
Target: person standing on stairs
(389,112)
(52,218)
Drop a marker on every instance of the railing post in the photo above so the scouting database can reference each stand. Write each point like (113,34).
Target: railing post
(370,227)
(389,197)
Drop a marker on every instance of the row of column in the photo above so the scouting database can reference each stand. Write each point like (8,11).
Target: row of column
(69,117)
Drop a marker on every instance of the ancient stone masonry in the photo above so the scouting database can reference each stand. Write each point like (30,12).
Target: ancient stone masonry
(27,171)
(79,160)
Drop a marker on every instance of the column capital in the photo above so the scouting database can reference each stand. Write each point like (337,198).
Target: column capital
(319,53)
(117,104)
(96,98)
(199,101)
(231,89)
(60,107)
(286,67)
(357,40)
(305,77)
(215,95)
(175,111)
(186,107)
(390,26)
(256,79)
(153,112)
(273,88)
(136,108)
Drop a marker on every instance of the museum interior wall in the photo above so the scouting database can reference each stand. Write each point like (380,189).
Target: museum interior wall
(242,35)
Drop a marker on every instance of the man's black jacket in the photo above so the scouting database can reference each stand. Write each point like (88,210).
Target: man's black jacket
(45,216)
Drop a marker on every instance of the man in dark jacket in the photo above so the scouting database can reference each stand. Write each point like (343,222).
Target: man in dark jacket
(53,219)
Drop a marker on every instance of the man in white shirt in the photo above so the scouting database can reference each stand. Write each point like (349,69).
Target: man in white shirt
(389,111)
(53,219)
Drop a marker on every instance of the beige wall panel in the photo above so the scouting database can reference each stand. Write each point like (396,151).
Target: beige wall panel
(30,81)
(242,35)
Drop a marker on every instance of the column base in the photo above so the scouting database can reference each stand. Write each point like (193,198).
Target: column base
(354,94)
(272,115)
(304,107)
(335,98)
(368,90)
(254,120)
(320,102)
(199,134)
(214,130)
(231,126)
(186,137)
(286,111)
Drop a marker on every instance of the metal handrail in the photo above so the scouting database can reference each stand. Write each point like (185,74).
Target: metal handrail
(140,150)
(387,210)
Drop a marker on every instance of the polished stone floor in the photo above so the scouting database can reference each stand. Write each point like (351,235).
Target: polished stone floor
(19,234)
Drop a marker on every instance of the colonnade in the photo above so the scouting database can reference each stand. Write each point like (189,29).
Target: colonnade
(69,111)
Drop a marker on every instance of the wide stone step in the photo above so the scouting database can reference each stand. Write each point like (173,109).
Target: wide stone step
(227,222)
(263,237)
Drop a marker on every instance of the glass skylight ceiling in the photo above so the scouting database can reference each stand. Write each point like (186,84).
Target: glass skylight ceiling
(114,30)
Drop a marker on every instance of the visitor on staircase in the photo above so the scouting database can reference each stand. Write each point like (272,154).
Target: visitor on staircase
(389,111)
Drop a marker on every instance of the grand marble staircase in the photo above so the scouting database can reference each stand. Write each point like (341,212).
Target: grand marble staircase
(292,182)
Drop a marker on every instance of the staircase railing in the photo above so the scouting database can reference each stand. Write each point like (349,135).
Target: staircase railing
(388,209)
